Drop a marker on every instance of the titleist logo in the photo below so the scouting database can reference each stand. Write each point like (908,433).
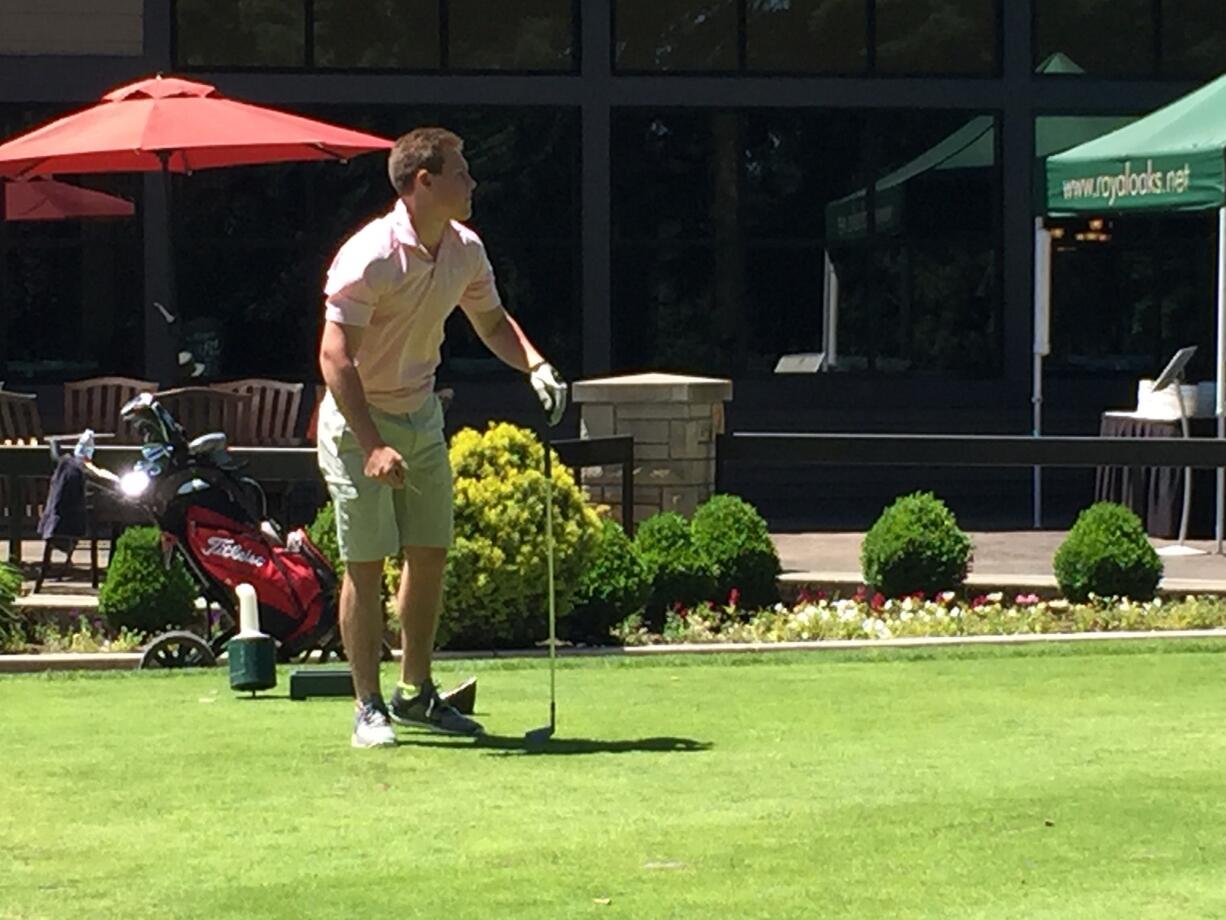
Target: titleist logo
(227,548)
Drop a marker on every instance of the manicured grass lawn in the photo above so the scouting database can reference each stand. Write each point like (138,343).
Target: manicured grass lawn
(1056,783)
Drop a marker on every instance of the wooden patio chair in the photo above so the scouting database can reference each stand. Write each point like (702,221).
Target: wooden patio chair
(272,414)
(95,403)
(202,410)
(19,419)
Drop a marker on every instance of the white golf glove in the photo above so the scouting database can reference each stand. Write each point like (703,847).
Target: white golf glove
(550,390)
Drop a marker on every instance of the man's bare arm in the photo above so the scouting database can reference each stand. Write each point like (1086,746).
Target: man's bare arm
(504,337)
(336,352)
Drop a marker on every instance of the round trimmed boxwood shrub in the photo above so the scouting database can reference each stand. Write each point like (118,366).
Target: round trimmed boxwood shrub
(614,586)
(1108,554)
(140,592)
(497,582)
(679,573)
(916,545)
(12,634)
(733,536)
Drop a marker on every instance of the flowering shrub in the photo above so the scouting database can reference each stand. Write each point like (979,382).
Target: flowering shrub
(496,591)
(875,617)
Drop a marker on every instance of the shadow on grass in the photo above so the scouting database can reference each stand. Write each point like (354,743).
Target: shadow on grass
(506,745)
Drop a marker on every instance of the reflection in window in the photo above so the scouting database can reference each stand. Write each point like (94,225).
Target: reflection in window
(277,227)
(936,36)
(919,267)
(807,36)
(684,35)
(388,34)
(1193,38)
(1104,37)
(1127,304)
(721,220)
(242,33)
(522,35)
(70,290)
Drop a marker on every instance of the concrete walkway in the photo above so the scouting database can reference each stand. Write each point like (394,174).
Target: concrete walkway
(1002,560)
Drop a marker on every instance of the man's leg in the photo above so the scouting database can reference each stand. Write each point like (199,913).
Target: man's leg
(419,602)
(361,613)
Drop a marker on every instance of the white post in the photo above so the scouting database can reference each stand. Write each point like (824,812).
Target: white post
(830,313)
(1220,401)
(1042,346)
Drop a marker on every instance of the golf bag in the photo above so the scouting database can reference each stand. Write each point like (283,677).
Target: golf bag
(216,519)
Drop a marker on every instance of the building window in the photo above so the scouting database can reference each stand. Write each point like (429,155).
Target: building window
(542,39)
(808,36)
(70,290)
(1193,38)
(936,37)
(722,222)
(374,34)
(675,35)
(1184,39)
(404,35)
(240,33)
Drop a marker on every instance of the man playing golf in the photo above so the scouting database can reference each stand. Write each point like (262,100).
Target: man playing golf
(381,446)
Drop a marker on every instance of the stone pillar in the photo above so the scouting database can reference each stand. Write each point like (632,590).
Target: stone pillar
(674,421)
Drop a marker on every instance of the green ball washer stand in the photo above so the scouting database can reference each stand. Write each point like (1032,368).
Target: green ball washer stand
(253,662)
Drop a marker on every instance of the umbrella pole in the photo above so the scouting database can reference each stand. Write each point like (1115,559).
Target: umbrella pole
(1220,406)
(160,314)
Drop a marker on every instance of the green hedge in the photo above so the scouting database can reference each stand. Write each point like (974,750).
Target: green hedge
(140,592)
(1108,554)
(915,546)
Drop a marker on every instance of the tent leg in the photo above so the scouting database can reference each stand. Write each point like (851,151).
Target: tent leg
(830,313)
(1042,306)
(1220,401)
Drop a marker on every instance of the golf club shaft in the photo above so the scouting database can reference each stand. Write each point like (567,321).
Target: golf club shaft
(549,565)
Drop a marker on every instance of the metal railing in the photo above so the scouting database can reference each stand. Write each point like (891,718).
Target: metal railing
(287,464)
(778,449)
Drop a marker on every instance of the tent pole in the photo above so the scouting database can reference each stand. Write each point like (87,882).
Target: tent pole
(1220,401)
(1042,346)
(830,312)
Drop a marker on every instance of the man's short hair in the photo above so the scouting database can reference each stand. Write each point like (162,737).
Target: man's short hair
(421,148)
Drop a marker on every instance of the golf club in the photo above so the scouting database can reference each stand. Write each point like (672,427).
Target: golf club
(545,732)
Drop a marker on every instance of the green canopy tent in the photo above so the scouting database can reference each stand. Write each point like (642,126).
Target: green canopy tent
(898,203)
(1171,161)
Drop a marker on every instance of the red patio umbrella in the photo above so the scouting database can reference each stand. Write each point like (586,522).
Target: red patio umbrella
(46,199)
(170,125)
(176,124)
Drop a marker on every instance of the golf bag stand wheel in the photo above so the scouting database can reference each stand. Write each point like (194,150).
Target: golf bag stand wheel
(180,649)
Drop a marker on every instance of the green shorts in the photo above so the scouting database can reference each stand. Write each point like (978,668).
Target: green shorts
(373,520)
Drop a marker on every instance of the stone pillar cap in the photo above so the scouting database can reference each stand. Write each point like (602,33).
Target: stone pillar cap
(652,388)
